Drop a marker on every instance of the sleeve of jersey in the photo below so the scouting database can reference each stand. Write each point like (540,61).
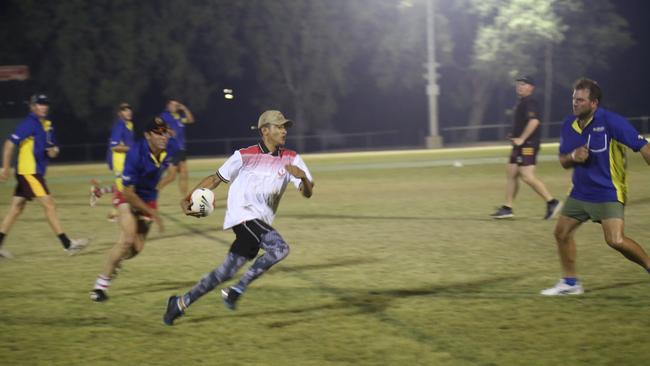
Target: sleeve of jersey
(130,172)
(532,110)
(51,138)
(22,131)
(116,135)
(565,138)
(229,170)
(297,161)
(625,133)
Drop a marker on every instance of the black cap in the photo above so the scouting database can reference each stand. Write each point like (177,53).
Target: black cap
(157,125)
(39,99)
(526,79)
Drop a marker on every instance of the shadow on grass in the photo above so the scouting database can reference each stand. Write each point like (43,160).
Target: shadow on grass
(615,285)
(373,303)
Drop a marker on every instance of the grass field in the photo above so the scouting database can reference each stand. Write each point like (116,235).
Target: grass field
(394,261)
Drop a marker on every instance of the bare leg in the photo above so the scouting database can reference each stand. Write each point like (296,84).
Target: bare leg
(50,213)
(183,181)
(528,176)
(126,244)
(615,238)
(16,208)
(512,183)
(566,245)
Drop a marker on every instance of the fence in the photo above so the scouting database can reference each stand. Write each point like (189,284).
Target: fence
(225,146)
(498,132)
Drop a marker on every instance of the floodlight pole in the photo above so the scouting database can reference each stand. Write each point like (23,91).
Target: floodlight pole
(434,140)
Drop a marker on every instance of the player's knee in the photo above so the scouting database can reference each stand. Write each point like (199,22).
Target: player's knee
(614,241)
(131,252)
(283,251)
(561,235)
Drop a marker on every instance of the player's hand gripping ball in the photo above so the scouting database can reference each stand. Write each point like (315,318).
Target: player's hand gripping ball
(202,202)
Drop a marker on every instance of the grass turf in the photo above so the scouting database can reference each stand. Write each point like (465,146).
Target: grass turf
(394,261)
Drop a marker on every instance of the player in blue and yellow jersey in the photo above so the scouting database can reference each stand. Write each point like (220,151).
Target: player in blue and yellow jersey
(177,115)
(145,163)
(593,142)
(119,143)
(34,137)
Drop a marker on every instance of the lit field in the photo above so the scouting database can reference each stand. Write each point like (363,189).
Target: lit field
(394,261)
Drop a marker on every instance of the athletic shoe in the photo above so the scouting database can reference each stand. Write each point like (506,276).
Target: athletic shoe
(503,212)
(562,288)
(173,312)
(98,295)
(4,253)
(76,245)
(552,209)
(95,192)
(230,297)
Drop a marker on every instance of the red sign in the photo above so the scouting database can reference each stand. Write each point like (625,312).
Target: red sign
(14,72)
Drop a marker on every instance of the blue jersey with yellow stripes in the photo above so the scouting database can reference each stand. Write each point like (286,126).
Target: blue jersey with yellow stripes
(602,177)
(121,134)
(177,123)
(143,170)
(32,136)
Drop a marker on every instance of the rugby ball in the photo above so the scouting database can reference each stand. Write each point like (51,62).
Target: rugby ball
(202,201)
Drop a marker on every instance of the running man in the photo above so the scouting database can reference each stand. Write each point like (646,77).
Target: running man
(525,146)
(34,137)
(136,204)
(258,176)
(593,142)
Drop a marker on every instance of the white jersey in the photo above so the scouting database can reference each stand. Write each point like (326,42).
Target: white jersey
(257,181)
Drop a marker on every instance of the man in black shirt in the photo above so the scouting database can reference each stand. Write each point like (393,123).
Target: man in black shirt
(525,146)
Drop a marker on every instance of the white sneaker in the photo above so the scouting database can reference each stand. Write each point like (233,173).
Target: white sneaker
(76,245)
(4,253)
(561,288)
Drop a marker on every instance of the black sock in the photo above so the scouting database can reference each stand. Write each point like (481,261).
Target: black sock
(64,240)
(2,237)
(553,200)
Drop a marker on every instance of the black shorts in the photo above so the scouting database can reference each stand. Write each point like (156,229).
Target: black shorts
(524,155)
(31,185)
(179,156)
(248,236)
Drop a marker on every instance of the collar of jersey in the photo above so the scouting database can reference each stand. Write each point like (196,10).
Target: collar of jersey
(128,124)
(266,150)
(576,124)
(163,155)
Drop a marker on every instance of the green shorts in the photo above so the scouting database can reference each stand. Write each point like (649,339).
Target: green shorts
(596,211)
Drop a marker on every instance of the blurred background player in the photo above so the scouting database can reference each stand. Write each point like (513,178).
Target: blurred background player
(119,143)
(177,115)
(258,176)
(34,137)
(145,163)
(525,146)
(593,142)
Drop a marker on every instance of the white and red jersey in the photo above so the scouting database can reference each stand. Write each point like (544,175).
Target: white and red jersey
(257,181)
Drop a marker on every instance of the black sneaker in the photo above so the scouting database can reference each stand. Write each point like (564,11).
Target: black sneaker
(173,312)
(503,212)
(553,207)
(230,297)
(98,295)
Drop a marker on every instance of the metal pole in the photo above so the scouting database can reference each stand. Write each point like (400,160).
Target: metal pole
(548,86)
(434,140)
